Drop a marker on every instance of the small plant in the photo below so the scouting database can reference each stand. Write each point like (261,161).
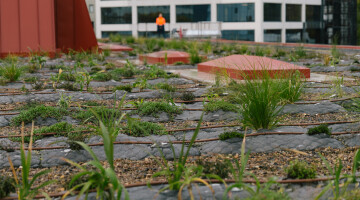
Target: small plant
(213,106)
(229,135)
(11,72)
(179,63)
(142,129)
(300,170)
(259,51)
(103,179)
(64,101)
(25,185)
(127,88)
(187,96)
(327,59)
(195,58)
(300,52)
(88,115)
(141,83)
(7,186)
(102,76)
(42,111)
(337,87)
(279,53)
(165,86)
(323,128)
(219,167)
(153,108)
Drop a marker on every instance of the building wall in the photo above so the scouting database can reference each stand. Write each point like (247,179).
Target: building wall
(257,26)
(91,8)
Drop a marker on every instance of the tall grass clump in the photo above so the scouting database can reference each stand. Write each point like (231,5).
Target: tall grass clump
(262,96)
(10,71)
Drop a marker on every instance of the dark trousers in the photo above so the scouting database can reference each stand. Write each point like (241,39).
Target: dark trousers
(161,31)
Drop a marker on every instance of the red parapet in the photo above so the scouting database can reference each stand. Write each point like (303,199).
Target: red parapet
(240,66)
(160,57)
(43,26)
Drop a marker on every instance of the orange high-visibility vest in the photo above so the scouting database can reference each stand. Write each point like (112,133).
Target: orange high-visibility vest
(160,21)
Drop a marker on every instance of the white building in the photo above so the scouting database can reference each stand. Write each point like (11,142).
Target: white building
(251,20)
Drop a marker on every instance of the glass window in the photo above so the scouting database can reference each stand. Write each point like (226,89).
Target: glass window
(239,12)
(192,13)
(313,13)
(91,8)
(272,35)
(293,13)
(106,34)
(293,35)
(116,15)
(148,14)
(272,12)
(245,35)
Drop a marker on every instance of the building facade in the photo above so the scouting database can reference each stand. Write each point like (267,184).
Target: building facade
(249,20)
(91,8)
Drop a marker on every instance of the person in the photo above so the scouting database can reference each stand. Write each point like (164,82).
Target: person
(160,22)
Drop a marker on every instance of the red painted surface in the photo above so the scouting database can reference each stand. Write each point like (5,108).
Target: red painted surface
(26,26)
(159,57)
(238,66)
(73,26)
(113,47)
(44,26)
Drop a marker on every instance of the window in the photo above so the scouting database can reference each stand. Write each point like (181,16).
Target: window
(313,13)
(116,15)
(91,8)
(293,13)
(272,12)
(148,14)
(293,35)
(192,13)
(106,34)
(239,12)
(245,35)
(272,35)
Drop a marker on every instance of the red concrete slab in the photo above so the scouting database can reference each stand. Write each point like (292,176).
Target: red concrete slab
(114,47)
(172,57)
(238,66)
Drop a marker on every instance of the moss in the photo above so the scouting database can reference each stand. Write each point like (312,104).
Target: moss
(220,105)
(42,111)
(187,96)
(228,135)
(323,128)
(154,108)
(127,88)
(142,129)
(300,170)
(104,113)
(104,76)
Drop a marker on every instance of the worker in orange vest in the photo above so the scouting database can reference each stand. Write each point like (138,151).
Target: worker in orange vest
(160,22)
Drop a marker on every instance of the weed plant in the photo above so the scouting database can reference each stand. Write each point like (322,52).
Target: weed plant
(165,86)
(7,186)
(154,108)
(11,71)
(229,135)
(87,116)
(300,52)
(103,179)
(219,167)
(102,76)
(127,88)
(300,170)
(323,128)
(213,106)
(187,96)
(141,129)
(25,187)
(42,111)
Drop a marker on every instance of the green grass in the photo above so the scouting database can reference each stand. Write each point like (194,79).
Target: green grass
(187,96)
(154,108)
(127,88)
(323,128)
(88,116)
(11,72)
(42,111)
(142,129)
(229,135)
(213,106)
(300,170)
(165,86)
(102,76)
(7,186)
